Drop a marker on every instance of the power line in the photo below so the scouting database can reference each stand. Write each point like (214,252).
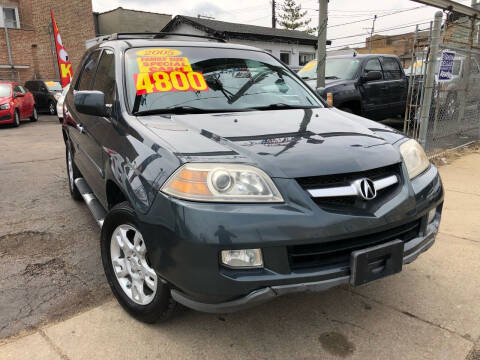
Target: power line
(380,30)
(363,42)
(370,19)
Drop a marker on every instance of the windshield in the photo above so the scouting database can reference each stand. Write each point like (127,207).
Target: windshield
(5,90)
(189,80)
(344,69)
(53,86)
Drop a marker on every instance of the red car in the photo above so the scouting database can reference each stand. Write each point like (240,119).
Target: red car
(16,103)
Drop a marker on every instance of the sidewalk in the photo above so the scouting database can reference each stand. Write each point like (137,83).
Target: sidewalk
(429,311)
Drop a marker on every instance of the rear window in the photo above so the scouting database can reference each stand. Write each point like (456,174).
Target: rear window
(5,90)
(210,79)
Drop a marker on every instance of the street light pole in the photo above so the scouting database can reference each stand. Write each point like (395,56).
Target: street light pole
(322,42)
(371,35)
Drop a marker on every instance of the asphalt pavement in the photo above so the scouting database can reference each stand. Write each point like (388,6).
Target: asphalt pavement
(55,304)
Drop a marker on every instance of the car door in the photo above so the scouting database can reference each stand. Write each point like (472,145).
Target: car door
(33,87)
(19,101)
(28,100)
(78,133)
(396,83)
(97,127)
(374,93)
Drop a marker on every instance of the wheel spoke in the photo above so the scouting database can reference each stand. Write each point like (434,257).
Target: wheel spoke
(151,283)
(137,291)
(120,267)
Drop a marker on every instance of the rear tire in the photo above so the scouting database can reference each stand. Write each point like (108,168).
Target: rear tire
(134,283)
(34,116)
(72,173)
(16,119)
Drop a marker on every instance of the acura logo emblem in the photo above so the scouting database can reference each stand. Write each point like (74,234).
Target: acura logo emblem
(366,189)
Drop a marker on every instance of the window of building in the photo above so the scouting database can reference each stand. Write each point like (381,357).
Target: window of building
(105,78)
(304,58)
(391,69)
(285,57)
(9,17)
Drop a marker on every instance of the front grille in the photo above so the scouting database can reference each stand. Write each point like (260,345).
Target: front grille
(337,253)
(339,203)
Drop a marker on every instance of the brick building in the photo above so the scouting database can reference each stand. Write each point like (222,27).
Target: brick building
(28,22)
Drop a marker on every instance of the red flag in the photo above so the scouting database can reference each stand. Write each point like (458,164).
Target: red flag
(64,63)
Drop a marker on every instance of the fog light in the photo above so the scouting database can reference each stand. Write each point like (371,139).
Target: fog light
(431,215)
(248,258)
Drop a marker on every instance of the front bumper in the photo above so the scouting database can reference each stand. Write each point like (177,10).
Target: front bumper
(184,240)
(411,251)
(6,116)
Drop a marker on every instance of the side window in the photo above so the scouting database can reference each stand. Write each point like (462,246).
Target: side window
(105,77)
(391,69)
(84,82)
(372,65)
(16,89)
(31,85)
(22,89)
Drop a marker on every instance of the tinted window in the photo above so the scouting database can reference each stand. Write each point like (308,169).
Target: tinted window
(31,85)
(105,77)
(391,69)
(16,89)
(88,71)
(4,90)
(373,65)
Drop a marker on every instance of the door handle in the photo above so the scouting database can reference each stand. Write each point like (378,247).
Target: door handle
(80,128)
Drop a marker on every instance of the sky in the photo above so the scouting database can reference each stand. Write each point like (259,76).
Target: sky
(258,12)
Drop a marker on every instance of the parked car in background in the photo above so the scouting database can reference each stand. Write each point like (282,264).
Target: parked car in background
(16,103)
(46,94)
(220,180)
(60,103)
(370,85)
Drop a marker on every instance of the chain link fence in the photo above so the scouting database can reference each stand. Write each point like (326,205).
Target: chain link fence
(443,105)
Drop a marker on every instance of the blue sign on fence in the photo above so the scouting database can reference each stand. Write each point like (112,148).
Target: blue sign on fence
(446,65)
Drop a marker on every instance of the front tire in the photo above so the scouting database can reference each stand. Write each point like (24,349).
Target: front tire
(72,173)
(134,283)
(34,116)
(16,119)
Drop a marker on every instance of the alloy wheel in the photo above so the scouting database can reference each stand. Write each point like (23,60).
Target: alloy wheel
(51,108)
(128,255)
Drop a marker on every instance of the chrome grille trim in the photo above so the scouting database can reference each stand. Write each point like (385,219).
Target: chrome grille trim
(351,190)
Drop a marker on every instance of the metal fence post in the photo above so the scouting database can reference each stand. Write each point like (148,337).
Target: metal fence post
(430,78)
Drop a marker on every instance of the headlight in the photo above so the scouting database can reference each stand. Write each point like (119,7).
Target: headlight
(248,258)
(222,183)
(4,106)
(414,157)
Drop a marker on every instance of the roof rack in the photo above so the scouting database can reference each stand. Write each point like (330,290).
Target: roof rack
(158,35)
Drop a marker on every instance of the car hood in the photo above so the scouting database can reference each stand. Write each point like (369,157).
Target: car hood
(284,143)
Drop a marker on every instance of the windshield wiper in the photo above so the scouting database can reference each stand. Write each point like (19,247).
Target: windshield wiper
(186,110)
(331,77)
(283,106)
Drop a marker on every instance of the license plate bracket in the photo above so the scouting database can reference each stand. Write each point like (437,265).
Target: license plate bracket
(376,262)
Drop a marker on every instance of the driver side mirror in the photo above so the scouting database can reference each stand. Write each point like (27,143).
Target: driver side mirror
(91,102)
(372,76)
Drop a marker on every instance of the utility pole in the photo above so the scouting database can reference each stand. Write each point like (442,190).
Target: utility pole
(371,35)
(274,15)
(322,42)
